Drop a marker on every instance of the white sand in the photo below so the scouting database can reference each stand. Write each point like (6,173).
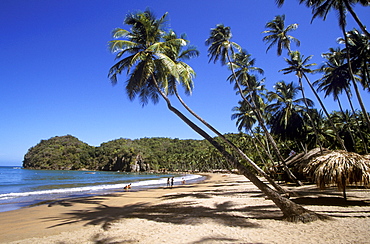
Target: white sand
(224,209)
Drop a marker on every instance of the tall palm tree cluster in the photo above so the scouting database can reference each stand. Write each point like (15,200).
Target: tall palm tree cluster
(345,69)
(278,121)
(291,116)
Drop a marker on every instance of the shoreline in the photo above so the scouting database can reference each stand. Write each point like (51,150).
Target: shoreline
(114,192)
(224,208)
(44,196)
(30,213)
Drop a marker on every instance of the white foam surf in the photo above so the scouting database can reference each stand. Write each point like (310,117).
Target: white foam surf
(97,188)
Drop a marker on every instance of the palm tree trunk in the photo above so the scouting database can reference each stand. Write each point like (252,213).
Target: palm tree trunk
(232,145)
(261,144)
(309,115)
(358,21)
(359,98)
(291,211)
(262,124)
(357,123)
(344,188)
(326,113)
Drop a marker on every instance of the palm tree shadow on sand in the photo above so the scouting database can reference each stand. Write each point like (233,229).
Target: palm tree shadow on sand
(180,212)
(331,201)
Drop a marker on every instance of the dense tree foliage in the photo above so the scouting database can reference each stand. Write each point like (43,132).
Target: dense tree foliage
(60,152)
(159,154)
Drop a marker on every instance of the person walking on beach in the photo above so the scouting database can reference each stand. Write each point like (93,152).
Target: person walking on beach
(168,182)
(172,179)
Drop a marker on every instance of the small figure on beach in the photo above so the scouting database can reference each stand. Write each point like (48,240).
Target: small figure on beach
(168,182)
(127,188)
(183,181)
(172,179)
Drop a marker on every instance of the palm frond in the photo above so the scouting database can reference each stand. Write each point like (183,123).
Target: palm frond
(120,33)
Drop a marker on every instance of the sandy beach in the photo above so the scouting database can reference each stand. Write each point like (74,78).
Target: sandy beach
(225,208)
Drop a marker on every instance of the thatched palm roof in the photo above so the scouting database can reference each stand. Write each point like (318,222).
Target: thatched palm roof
(339,168)
(300,160)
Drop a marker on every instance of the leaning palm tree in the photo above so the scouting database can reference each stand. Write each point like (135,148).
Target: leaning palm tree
(339,168)
(142,54)
(278,34)
(321,8)
(300,66)
(186,74)
(222,48)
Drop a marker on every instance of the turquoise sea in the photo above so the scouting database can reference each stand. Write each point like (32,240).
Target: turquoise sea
(24,187)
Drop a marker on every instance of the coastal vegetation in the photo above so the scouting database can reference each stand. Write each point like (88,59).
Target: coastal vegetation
(138,155)
(274,124)
(276,120)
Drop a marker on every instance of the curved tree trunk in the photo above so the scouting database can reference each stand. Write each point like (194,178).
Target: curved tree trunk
(358,21)
(262,124)
(291,211)
(232,145)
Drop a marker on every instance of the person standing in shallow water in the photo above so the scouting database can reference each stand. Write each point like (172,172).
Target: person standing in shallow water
(172,179)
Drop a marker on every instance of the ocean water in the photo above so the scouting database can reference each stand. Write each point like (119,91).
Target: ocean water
(24,187)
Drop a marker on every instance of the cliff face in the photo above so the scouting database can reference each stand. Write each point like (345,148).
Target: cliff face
(127,164)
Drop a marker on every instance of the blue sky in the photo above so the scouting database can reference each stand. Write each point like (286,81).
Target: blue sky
(54,63)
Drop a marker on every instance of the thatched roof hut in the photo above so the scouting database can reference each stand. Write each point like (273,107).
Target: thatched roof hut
(340,168)
(299,161)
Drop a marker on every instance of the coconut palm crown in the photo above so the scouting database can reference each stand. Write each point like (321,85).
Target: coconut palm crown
(220,44)
(144,54)
(278,34)
(287,112)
